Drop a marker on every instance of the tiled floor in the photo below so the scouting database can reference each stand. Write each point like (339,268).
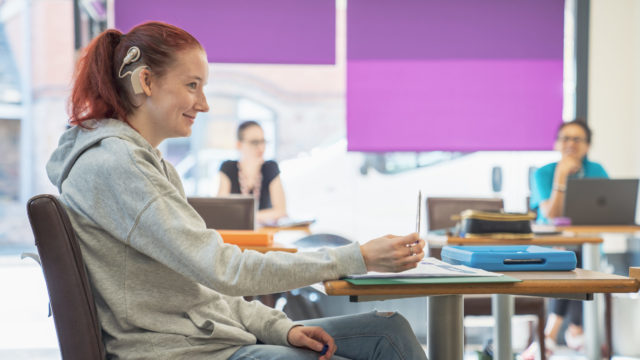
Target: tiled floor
(561,354)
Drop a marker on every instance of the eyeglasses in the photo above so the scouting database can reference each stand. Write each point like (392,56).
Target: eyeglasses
(575,139)
(256,143)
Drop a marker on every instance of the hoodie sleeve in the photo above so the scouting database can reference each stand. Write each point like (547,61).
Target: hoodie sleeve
(268,325)
(161,224)
(171,232)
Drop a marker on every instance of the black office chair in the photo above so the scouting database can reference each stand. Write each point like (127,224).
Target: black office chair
(72,303)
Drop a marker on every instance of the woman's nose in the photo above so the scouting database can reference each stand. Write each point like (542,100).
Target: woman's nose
(202,104)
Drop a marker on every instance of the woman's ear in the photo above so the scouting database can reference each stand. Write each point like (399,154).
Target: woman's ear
(556,146)
(144,76)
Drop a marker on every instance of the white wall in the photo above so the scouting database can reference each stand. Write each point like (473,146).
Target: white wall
(614,85)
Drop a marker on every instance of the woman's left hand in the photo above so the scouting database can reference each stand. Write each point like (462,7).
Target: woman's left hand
(313,338)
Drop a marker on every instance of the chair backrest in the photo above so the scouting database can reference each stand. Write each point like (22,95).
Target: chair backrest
(440,209)
(226,212)
(72,303)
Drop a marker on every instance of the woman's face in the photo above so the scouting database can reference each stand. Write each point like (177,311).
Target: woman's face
(252,144)
(572,142)
(178,96)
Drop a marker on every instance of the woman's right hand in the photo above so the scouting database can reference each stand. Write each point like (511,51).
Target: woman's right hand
(314,338)
(392,253)
(568,165)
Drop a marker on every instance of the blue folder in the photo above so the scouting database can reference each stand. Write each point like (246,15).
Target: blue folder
(510,258)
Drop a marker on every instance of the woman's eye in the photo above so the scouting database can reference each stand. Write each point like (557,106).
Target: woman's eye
(193,85)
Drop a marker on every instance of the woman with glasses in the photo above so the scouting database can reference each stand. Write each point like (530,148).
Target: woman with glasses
(548,188)
(251,175)
(550,181)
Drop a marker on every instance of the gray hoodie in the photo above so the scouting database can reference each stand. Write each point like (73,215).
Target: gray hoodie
(165,286)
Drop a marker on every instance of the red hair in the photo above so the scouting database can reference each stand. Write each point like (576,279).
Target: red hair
(98,92)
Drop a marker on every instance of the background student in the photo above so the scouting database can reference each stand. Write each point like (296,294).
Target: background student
(252,175)
(549,185)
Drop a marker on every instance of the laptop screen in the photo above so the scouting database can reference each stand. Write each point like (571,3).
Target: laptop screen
(601,201)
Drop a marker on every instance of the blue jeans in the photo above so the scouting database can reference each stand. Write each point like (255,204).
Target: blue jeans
(373,335)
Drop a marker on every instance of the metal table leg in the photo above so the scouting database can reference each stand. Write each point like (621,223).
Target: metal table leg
(591,323)
(502,308)
(445,332)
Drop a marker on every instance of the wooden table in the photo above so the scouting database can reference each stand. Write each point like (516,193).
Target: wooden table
(305,229)
(591,260)
(543,240)
(434,242)
(264,249)
(502,304)
(599,229)
(275,246)
(445,313)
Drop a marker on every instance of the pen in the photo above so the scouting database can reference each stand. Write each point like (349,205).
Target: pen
(418,216)
(325,348)
(418,212)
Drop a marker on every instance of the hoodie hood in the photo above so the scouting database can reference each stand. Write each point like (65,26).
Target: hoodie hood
(75,141)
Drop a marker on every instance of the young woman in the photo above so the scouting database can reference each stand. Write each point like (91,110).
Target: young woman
(165,286)
(251,175)
(548,192)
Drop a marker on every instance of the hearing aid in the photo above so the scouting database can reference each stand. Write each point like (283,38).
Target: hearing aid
(133,55)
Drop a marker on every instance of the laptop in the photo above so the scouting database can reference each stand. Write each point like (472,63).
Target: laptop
(601,201)
(233,212)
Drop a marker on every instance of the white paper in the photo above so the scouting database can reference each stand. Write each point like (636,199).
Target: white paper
(429,267)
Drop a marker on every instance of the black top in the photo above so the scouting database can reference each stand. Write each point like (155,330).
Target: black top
(269,172)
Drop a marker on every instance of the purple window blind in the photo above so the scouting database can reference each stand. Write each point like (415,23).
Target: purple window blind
(454,75)
(245,31)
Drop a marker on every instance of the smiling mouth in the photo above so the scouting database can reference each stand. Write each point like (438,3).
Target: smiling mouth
(192,119)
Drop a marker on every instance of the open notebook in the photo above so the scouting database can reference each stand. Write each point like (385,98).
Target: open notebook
(429,268)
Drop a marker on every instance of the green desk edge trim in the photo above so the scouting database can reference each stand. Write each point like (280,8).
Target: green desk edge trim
(434,280)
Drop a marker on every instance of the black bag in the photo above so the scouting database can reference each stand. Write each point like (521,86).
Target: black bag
(497,225)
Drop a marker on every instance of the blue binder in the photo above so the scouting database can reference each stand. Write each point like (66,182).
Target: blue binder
(510,258)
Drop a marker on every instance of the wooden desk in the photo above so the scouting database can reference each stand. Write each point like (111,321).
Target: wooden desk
(445,313)
(502,305)
(264,249)
(544,240)
(437,241)
(577,281)
(599,229)
(242,239)
(271,229)
(591,260)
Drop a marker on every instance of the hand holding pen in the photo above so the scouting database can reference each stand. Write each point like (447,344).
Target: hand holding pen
(393,253)
(418,216)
